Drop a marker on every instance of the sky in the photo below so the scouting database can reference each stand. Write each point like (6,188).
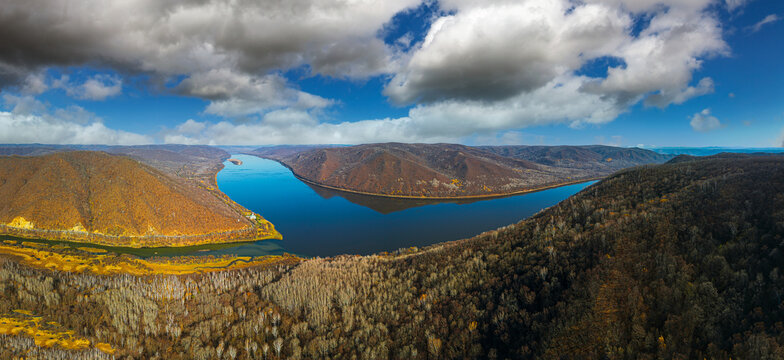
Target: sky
(648,73)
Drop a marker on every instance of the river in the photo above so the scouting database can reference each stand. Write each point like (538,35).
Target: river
(320,222)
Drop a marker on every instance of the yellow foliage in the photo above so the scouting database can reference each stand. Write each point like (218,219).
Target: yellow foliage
(113,264)
(106,348)
(42,337)
(78,227)
(20,222)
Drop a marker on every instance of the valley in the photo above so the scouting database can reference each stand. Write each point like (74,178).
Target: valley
(649,262)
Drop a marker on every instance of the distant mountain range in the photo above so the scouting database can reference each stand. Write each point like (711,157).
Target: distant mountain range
(452,170)
(713,150)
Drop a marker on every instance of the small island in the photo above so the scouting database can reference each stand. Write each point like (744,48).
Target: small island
(235,161)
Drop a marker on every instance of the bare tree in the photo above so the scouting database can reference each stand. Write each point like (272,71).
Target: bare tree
(278,344)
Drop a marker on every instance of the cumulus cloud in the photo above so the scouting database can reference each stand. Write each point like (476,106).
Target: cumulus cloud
(662,58)
(448,121)
(678,96)
(35,84)
(31,121)
(201,40)
(703,121)
(97,87)
(236,94)
(767,20)
(484,66)
(24,129)
(172,38)
(496,50)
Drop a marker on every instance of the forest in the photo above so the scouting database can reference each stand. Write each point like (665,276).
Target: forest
(400,170)
(673,261)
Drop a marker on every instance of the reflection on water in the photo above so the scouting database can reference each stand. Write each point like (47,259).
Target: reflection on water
(321,222)
(383,205)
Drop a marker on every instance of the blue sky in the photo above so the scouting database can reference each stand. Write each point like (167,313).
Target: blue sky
(619,72)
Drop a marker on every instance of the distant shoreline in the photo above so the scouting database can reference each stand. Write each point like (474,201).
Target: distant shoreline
(413,197)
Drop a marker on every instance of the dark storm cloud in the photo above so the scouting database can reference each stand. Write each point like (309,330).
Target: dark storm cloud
(175,38)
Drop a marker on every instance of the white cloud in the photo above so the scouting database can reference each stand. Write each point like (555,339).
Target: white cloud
(97,87)
(24,129)
(495,59)
(500,49)
(662,59)
(732,5)
(560,101)
(334,37)
(666,96)
(235,94)
(191,127)
(484,67)
(703,121)
(31,121)
(35,84)
(767,20)
(24,104)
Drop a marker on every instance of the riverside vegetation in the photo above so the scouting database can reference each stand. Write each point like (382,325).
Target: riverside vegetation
(675,261)
(116,200)
(452,170)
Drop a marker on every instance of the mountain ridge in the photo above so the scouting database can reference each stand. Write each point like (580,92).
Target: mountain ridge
(452,171)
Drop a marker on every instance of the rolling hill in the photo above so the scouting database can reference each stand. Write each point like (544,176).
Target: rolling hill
(116,200)
(673,261)
(451,170)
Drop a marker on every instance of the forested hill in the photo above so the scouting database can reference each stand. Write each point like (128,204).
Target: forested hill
(193,162)
(95,197)
(453,170)
(669,261)
(673,261)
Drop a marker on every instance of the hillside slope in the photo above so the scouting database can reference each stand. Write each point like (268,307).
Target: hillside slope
(598,158)
(114,200)
(451,170)
(199,162)
(679,261)
(674,261)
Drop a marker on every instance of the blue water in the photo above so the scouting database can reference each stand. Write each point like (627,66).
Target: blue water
(320,222)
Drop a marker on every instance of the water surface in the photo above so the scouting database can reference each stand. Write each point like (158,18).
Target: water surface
(320,222)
